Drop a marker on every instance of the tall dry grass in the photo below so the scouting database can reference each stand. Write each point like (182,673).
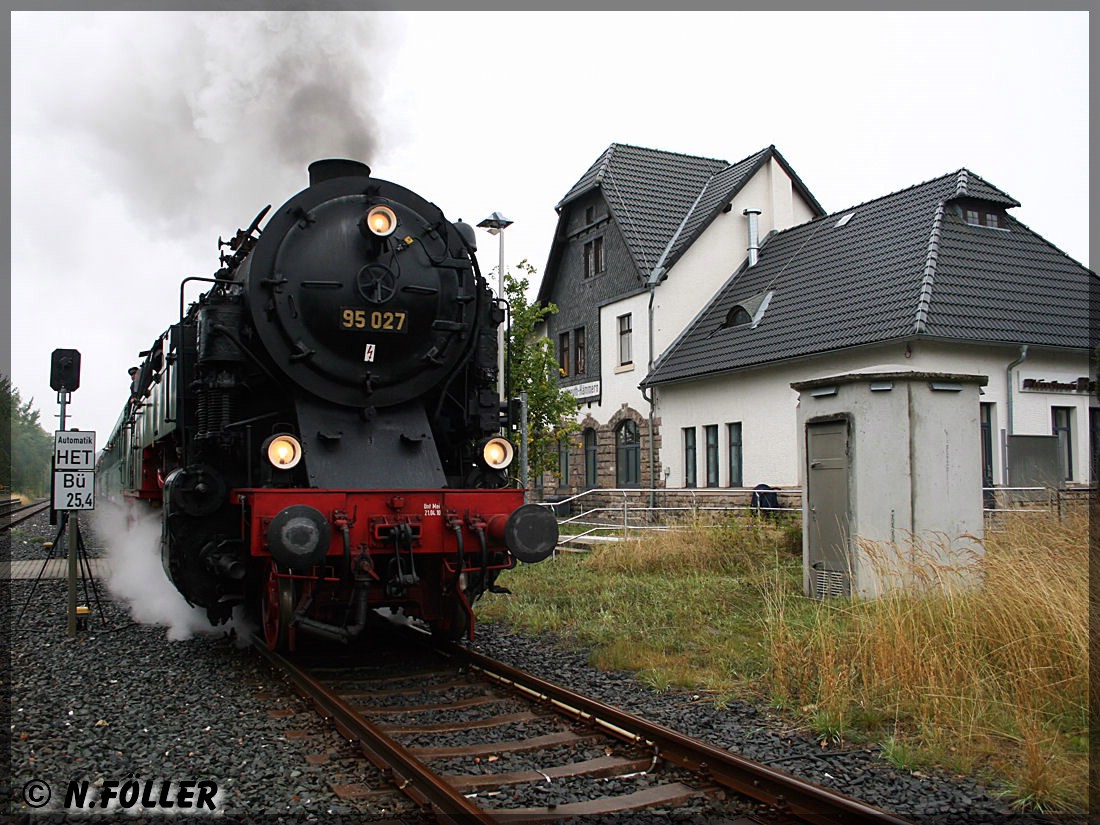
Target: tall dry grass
(743,547)
(990,676)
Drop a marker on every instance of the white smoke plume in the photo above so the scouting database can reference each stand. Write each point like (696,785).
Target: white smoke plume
(130,534)
(203,116)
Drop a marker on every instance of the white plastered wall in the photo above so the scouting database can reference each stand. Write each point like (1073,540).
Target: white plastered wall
(764,402)
(706,266)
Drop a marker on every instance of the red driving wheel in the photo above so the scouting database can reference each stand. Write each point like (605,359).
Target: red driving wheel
(277,610)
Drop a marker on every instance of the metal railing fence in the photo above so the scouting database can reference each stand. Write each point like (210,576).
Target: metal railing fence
(620,511)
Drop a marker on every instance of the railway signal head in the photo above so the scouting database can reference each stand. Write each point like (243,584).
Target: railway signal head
(65,370)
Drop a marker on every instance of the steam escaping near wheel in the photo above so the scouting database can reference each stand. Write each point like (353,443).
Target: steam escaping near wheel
(131,538)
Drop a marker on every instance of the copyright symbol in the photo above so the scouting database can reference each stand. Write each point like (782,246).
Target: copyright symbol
(36,793)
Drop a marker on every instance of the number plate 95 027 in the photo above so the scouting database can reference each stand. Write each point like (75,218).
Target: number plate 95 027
(375,320)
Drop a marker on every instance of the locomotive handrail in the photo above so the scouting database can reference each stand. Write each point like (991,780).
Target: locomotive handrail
(203,280)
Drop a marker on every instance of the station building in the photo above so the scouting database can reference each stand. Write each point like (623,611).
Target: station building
(693,293)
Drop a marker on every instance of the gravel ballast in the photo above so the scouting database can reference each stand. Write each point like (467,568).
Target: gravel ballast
(122,701)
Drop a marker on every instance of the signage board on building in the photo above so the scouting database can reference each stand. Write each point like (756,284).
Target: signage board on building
(1057,383)
(582,392)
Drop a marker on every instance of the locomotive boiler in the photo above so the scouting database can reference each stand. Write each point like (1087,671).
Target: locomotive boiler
(321,429)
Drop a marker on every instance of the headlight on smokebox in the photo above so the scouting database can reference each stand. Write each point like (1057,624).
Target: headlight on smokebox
(497,453)
(283,451)
(381,221)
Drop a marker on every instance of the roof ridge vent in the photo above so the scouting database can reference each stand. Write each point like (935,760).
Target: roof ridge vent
(924,301)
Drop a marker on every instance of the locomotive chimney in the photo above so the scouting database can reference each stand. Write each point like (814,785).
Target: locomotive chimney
(322,170)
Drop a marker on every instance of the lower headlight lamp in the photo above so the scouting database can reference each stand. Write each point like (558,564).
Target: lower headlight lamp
(283,451)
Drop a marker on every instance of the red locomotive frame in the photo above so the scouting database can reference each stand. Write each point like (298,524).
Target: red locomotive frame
(443,534)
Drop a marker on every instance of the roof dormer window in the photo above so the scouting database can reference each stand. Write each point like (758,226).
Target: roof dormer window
(749,312)
(984,215)
(738,316)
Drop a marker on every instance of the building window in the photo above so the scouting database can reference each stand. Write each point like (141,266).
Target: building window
(737,476)
(985,419)
(1094,442)
(593,257)
(563,354)
(1060,424)
(711,432)
(689,457)
(578,351)
(989,217)
(625,331)
(590,458)
(628,455)
(589,214)
(563,461)
(986,423)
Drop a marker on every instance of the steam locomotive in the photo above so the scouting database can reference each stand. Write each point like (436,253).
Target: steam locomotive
(321,428)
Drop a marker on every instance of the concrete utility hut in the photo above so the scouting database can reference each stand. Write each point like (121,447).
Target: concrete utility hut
(891,481)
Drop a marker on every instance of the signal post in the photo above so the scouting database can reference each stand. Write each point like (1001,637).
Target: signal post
(73,469)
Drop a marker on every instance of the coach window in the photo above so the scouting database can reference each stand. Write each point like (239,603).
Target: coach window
(628,464)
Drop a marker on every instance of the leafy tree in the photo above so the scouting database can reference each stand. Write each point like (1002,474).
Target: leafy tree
(26,449)
(550,410)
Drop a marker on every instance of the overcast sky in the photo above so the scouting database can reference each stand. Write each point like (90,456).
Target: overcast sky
(140,137)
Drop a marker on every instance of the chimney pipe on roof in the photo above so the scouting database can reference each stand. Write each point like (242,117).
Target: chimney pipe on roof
(754,234)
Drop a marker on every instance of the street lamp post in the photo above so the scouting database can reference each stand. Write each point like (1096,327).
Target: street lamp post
(496,224)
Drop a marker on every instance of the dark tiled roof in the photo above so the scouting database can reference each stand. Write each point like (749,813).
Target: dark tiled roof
(971,186)
(906,264)
(648,192)
(661,200)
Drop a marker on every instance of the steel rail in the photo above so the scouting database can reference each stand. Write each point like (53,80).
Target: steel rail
(21,513)
(806,800)
(412,776)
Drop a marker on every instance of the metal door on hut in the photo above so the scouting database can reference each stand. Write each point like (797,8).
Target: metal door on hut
(828,508)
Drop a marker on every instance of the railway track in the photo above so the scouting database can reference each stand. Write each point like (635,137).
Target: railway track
(13,513)
(623,762)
